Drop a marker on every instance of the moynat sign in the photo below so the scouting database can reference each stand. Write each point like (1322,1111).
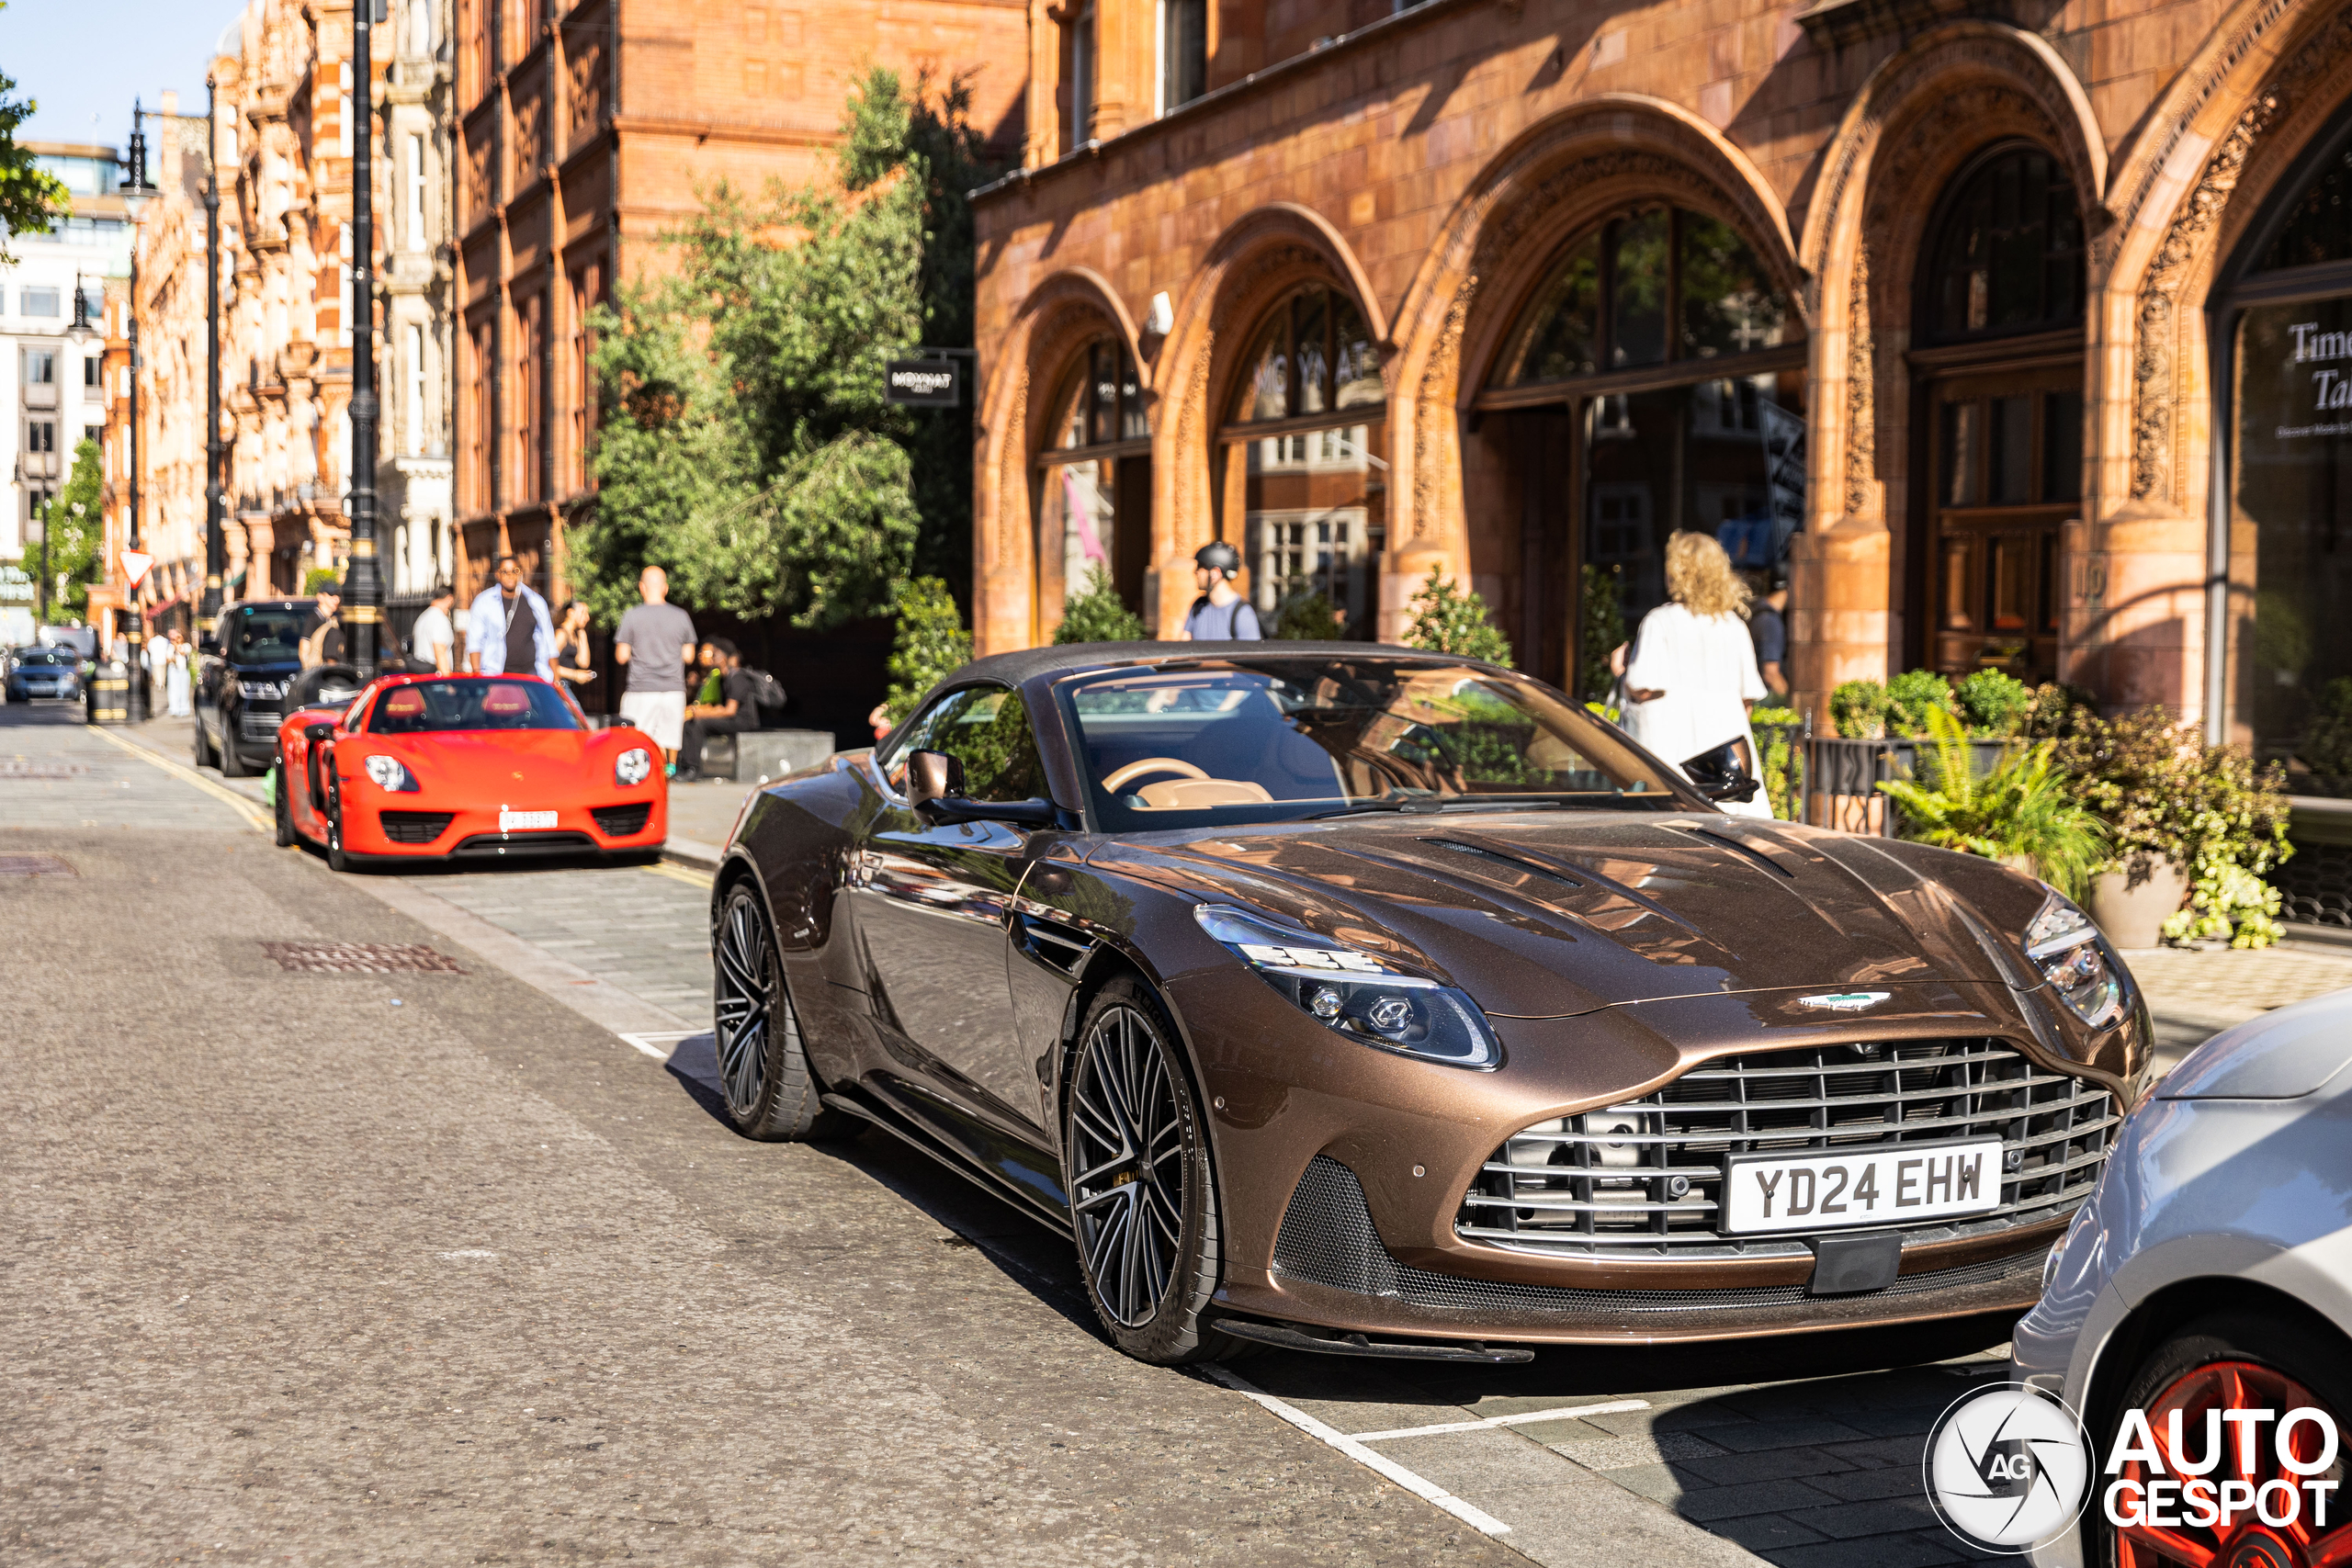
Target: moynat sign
(924,383)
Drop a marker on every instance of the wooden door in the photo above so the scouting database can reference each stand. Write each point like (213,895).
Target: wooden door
(2005,475)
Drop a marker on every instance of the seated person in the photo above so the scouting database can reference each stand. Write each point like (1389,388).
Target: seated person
(737,709)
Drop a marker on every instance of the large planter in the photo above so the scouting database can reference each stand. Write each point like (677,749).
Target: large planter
(2134,917)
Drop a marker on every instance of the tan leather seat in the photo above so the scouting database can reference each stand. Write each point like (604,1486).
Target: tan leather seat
(1191,794)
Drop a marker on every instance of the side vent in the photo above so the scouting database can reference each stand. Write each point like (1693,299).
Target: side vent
(1058,947)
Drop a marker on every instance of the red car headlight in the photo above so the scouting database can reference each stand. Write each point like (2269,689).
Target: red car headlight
(388,774)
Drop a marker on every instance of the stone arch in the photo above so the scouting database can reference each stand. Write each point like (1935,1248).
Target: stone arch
(1068,309)
(1923,116)
(1263,254)
(1555,178)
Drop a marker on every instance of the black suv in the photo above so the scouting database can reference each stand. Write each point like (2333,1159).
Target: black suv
(241,691)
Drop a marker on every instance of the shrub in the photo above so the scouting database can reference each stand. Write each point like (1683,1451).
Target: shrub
(1911,696)
(2233,830)
(932,644)
(1603,631)
(1777,732)
(1097,613)
(2023,805)
(1859,709)
(2327,745)
(1305,617)
(317,578)
(1447,620)
(1994,703)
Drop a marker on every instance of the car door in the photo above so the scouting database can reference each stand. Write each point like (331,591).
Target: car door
(930,906)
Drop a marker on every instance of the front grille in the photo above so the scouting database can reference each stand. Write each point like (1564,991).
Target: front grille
(620,821)
(1327,1238)
(1644,1178)
(258,724)
(415,827)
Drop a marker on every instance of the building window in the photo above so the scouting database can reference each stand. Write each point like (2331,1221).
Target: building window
(38,302)
(587,294)
(343,123)
(1078,80)
(1094,483)
(90,370)
(41,367)
(2009,256)
(413,390)
(530,418)
(415,210)
(40,435)
(1310,500)
(479,417)
(1184,52)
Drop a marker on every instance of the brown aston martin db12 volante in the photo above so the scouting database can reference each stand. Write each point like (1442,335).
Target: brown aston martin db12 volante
(1352,999)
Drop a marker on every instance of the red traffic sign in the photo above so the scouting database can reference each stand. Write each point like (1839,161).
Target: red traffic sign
(134,564)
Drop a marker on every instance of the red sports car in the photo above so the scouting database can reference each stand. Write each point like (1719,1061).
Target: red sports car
(433,766)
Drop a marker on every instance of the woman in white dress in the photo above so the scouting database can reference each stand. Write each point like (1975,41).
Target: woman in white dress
(1692,675)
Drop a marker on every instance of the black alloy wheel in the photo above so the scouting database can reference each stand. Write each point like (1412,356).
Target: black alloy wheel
(1142,1191)
(772,1094)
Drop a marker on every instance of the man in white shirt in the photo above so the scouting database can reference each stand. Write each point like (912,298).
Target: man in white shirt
(433,639)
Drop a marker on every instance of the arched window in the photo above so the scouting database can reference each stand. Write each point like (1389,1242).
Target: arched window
(1649,287)
(1303,465)
(1653,382)
(1999,368)
(2008,256)
(1095,490)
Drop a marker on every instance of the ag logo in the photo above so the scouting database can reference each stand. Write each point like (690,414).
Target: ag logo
(2008,1468)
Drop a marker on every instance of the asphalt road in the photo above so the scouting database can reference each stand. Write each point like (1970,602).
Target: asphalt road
(355,1268)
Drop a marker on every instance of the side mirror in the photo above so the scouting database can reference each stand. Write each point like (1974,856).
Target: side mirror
(1739,786)
(314,733)
(935,794)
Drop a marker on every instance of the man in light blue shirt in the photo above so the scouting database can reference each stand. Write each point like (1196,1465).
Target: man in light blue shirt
(509,631)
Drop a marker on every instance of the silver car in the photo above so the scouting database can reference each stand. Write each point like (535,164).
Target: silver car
(2212,1270)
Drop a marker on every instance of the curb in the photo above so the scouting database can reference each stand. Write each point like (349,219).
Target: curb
(692,853)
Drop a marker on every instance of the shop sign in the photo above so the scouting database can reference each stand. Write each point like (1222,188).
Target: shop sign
(16,586)
(924,383)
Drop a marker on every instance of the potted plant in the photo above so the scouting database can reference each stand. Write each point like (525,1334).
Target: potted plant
(2021,811)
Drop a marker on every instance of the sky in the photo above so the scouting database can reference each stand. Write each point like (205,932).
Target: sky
(84,60)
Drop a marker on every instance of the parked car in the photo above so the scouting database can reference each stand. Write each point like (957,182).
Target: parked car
(241,682)
(2212,1270)
(43,672)
(464,766)
(1369,1001)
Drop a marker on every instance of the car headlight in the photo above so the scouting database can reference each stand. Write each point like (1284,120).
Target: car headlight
(2066,947)
(633,766)
(260,689)
(388,773)
(1357,994)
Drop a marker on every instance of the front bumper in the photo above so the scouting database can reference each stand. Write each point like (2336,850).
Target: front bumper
(1342,1171)
(416,826)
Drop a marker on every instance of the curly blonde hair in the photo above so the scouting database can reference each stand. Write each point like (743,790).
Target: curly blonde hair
(1699,578)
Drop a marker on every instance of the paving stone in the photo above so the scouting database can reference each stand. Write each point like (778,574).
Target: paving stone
(1621,1453)
(1771,1464)
(1710,1504)
(1846,1520)
(1859,1486)
(1754,1435)
(1877,1551)
(1763,1532)
(1875,1454)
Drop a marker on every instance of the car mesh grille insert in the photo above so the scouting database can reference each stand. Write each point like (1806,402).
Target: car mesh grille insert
(1327,1238)
(1644,1178)
(415,827)
(620,821)
(258,726)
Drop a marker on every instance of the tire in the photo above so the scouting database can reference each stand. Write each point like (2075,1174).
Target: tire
(1142,1187)
(284,811)
(231,765)
(202,754)
(770,1091)
(2267,1359)
(337,860)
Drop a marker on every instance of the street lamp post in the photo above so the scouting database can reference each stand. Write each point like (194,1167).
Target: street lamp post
(363,591)
(216,561)
(137,190)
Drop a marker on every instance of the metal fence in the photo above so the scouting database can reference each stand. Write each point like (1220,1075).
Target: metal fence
(1837,779)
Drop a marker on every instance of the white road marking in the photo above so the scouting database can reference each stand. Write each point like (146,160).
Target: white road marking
(660,1045)
(1564,1413)
(472,1251)
(1429,1491)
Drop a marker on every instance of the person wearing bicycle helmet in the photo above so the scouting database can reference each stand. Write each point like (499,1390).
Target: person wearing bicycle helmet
(1220,613)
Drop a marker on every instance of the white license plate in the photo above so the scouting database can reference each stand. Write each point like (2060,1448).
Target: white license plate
(1860,1187)
(517,821)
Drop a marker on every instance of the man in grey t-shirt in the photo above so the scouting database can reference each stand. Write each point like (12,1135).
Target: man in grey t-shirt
(655,640)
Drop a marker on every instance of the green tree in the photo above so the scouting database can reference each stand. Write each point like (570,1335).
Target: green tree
(76,533)
(1447,619)
(1096,613)
(932,644)
(745,445)
(1305,616)
(32,198)
(1603,631)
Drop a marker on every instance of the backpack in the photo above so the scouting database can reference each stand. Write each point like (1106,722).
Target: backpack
(766,690)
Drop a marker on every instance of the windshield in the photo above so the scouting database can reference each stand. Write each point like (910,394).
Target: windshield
(434,706)
(46,656)
(266,637)
(1273,739)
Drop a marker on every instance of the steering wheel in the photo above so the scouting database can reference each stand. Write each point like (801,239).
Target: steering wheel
(1121,777)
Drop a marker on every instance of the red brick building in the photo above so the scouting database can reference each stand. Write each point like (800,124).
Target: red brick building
(2002,333)
(588,131)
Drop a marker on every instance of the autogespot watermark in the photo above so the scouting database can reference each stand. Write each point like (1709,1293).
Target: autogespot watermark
(2009,1468)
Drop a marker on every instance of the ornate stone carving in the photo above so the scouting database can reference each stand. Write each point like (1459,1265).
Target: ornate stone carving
(1861,415)
(1441,374)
